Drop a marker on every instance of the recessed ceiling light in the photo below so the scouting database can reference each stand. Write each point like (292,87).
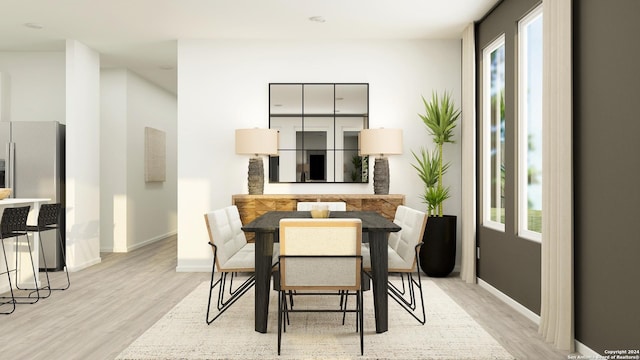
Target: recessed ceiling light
(34,26)
(319,19)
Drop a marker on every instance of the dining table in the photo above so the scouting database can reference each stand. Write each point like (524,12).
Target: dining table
(266,228)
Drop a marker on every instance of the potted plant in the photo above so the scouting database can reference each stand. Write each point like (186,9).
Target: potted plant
(438,253)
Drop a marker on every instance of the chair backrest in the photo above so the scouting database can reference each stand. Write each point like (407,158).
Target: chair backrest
(413,223)
(14,221)
(331,205)
(48,215)
(225,232)
(328,251)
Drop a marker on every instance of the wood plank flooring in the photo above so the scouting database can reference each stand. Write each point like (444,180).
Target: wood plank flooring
(112,303)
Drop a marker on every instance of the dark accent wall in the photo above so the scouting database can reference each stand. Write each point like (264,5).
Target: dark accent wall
(607,173)
(509,263)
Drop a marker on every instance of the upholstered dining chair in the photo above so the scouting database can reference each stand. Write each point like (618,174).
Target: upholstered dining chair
(331,205)
(403,250)
(13,224)
(232,255)
(319,257)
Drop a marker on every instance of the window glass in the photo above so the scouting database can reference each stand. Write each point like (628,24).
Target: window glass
(530,125)
(494,134)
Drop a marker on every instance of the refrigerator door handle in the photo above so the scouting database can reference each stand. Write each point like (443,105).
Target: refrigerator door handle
(10,174)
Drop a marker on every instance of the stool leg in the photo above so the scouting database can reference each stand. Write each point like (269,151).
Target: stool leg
(64,261)
(46,272)
(13,299)
(35,275)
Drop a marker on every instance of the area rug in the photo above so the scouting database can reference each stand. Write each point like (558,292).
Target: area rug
(450,333)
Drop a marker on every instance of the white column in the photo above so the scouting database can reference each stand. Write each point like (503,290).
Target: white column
(82,155)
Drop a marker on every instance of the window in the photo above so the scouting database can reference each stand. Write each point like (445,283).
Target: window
(493,123)
(530,125)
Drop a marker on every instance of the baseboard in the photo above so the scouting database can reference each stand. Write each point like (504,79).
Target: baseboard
(195,265)
(73,268)
(139,245)
(193,269)
(509,301)
(586,352)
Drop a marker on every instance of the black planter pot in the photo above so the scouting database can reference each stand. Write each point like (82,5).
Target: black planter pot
(438,253)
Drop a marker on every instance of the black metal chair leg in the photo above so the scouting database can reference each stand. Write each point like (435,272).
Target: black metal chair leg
(221,304)
(64,263)
(8,272)
(35,279)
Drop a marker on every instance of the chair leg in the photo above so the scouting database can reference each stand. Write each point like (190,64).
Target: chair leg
(223,305)
(13,299)
(46,273)
(211,286)
(282,303)
(410,305)
(64,262)
(360,316)
(343,305)
(35,276)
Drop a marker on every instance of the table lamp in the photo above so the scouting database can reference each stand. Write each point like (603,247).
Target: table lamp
(380,142)
(256,142)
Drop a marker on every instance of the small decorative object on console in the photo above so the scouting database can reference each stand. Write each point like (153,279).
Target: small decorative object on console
(320,211)
(5,193)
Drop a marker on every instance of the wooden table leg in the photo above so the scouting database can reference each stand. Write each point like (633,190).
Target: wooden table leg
(378,242)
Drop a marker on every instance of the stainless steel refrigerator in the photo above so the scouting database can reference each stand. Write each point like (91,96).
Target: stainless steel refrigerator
(32,164)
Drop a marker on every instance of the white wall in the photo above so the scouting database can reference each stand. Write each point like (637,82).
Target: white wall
(152,207)
(223,85)
(135,213)
(113,160)
(36,85)
(83,155)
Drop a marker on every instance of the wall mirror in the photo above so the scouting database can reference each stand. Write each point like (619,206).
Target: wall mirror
(319,125)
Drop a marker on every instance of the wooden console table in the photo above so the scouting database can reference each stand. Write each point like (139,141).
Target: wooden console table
(252,206)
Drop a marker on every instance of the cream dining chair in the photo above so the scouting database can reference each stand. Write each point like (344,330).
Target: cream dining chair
(317,258)
(232,255)
(403,250)
(331,205)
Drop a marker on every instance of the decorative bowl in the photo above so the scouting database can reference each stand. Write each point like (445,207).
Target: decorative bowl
(320,212)
(4,193)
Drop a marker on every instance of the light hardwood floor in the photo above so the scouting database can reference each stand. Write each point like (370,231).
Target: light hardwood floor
(110,304)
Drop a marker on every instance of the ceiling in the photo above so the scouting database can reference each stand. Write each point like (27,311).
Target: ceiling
(141,34)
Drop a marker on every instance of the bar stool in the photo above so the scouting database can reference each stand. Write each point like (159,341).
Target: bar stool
(48,220)
(13,225)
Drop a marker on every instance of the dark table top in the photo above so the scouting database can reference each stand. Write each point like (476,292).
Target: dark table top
(371,220)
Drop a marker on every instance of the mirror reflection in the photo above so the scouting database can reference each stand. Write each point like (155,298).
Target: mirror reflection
(319,126)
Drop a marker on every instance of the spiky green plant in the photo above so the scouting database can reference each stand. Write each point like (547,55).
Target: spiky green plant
(434,197)
(427,166)
(440,119)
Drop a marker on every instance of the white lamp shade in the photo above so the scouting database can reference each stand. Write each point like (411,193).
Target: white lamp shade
(257,141)
(380,141)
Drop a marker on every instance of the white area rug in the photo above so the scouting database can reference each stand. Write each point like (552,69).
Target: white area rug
(450,333)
